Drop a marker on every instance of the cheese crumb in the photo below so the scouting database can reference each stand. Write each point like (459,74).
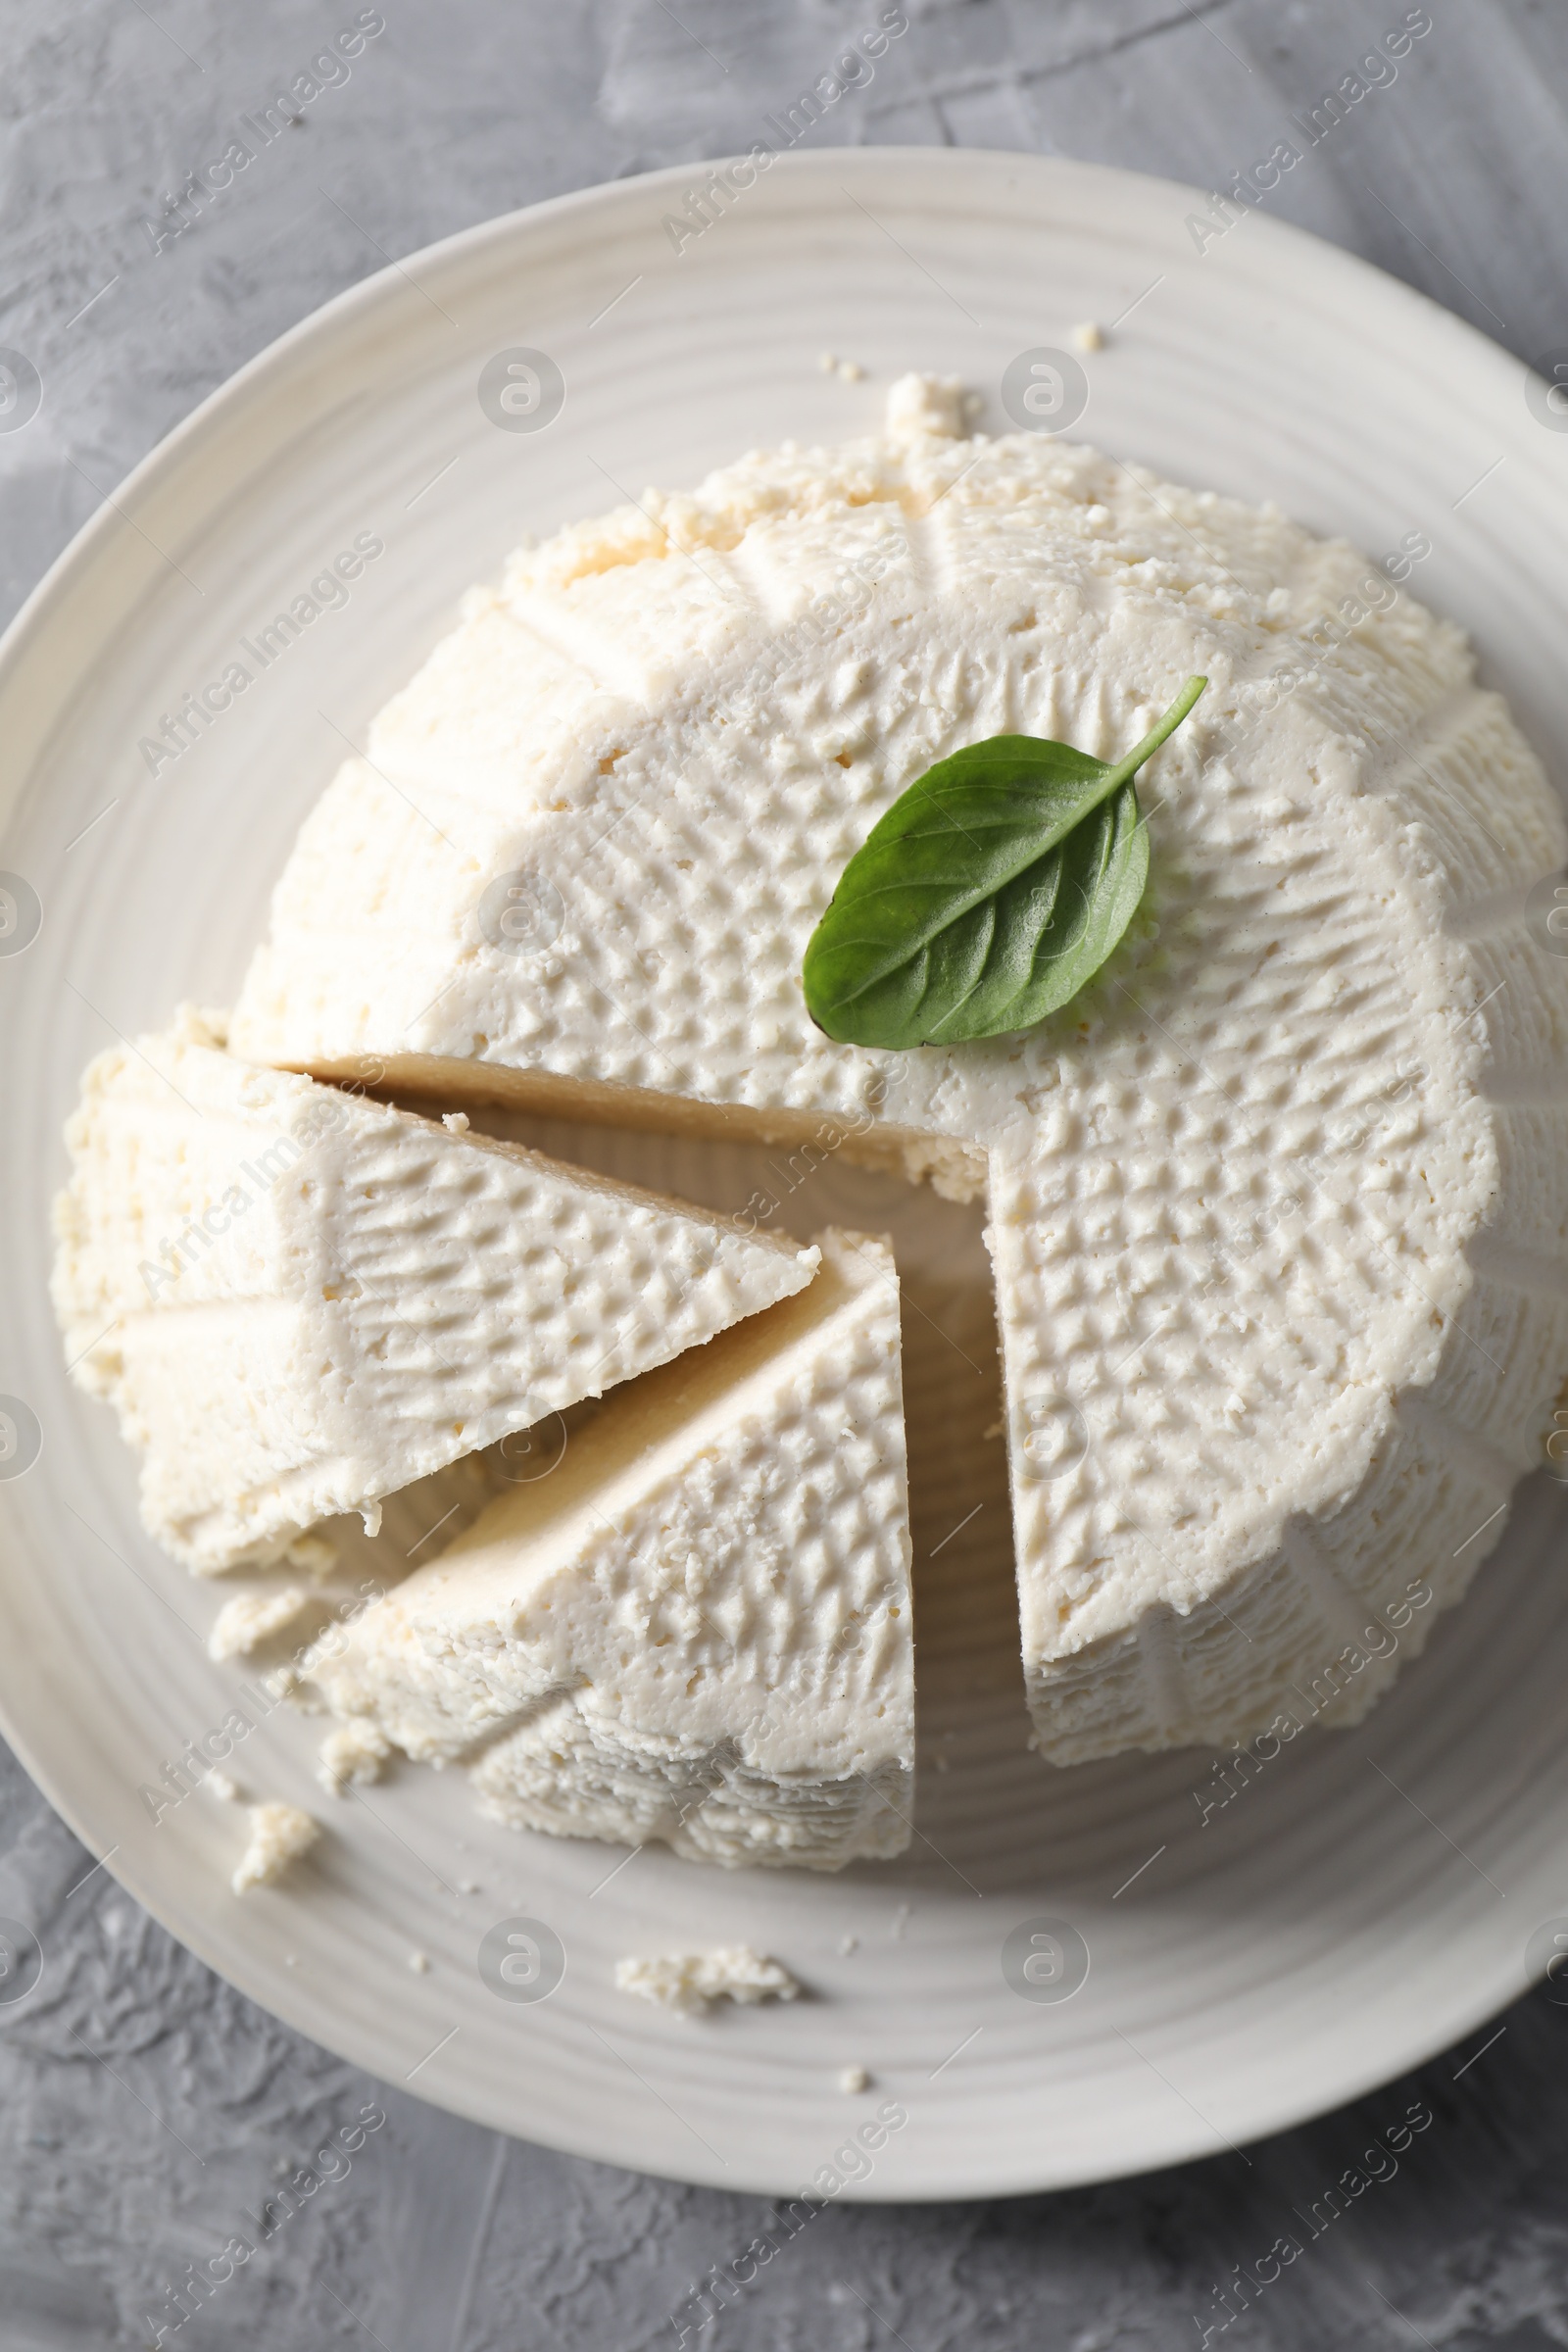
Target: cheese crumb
(419,1962)
(279,1835)
(356,1752)
(851,371)
(244,1623)
(1089,336)
(456,1122)
(852,2078)
(687,1982)
(828,362)
(371,1517)
(848,1944)
(918,405)
(219,1784)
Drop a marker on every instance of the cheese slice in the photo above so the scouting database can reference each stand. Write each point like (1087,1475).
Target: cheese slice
(300,1300)
(698,1628)
(1278,1206)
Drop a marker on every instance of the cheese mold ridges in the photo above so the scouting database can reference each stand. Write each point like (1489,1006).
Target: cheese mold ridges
(698,1628)
(1278,1206)
(300,1300)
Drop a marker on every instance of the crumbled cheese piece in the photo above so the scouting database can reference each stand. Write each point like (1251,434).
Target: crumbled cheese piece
(456,1122)
(279,1835)
(244,1623)
(688,1982)
(828,362)
(1089,336)
(854,2079)
(219,1784)
(848,1944)
(921,405)
(356,1752)
(851,371)
(419,1962)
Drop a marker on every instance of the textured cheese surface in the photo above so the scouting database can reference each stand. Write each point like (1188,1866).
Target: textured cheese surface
(1278,1206)
(697,1628)
(300,1300)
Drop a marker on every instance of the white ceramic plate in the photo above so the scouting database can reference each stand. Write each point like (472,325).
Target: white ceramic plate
(1368,1898)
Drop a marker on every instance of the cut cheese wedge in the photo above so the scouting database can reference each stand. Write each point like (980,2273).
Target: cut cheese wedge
(300,1300)
(697,1628)
(1278,1206)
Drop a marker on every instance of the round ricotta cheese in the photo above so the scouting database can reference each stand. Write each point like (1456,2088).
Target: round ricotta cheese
(1278,1208)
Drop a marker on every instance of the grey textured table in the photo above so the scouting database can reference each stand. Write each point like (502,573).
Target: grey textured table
(127,2160)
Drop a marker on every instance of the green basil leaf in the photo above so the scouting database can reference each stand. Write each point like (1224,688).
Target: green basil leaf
(990,893)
